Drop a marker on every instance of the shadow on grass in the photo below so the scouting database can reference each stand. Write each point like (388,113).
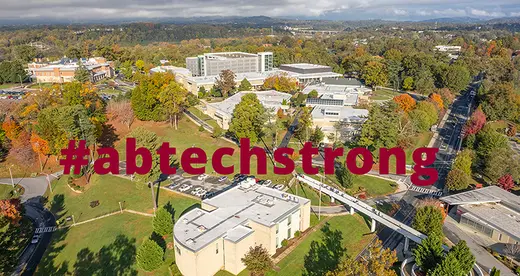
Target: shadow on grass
(324,255)
(116,258)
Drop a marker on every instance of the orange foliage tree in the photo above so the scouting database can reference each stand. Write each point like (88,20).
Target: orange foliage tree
(281,82)
(11,210)
(405,102)
(437,100)
(12,129)
(40,146)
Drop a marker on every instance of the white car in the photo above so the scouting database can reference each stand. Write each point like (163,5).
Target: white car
(202,176)
(200,193)
(278,187)
(173,186)
(185,187)
(36,238)
(196,190)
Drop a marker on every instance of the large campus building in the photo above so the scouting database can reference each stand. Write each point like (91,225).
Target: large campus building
(222,111)
(491,211)
(217,235)
(211,64)
(65,70)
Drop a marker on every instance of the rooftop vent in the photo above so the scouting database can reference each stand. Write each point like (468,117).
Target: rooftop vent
(201,228)
(185,220)
(190,241)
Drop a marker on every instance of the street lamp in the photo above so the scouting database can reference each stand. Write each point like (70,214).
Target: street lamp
(11,174)
(48,181)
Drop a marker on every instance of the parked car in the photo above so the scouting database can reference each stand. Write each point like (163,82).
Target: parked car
(267,182)
(173,186)
(203,176)
(185,187)
(200,193)
(279,187)
(196,190)
(222,178)
(35,238)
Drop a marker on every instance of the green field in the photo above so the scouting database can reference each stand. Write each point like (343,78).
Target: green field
(105,246)
(102,247)
(210,121)
(8,85)
(5,191)
(384,94)
(355,237)
(109,191)
(304,190)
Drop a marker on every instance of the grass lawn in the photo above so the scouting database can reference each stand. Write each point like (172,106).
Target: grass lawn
(5,191)
(107,246)
(304,190)
(8,85)
(374,186)
(210,121)
(384,94)
(188,135)
(355,237)
(110,190)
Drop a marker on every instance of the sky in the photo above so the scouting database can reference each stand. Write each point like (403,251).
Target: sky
(84,10)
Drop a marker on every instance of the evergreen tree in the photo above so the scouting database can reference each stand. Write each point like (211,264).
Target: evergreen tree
(450,266)
(344,176)
(457,180)
(462,253)
(149,255)
(381,128)
(82,74)
(317,136)
(163,222)
(428,220)
(245,85)
(429,253)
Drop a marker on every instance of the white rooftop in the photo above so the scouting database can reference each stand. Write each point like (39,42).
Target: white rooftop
(305,65)
(234,209)
(269,99)
(344,113)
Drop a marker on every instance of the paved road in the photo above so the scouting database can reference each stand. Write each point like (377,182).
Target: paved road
(290,131)
(34,190)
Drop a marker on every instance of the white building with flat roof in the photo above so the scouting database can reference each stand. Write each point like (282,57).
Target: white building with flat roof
(350,119)
(222,111)
(211,64)
(217,235)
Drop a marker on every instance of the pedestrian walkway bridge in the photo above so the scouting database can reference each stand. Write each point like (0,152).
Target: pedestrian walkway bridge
(360,206)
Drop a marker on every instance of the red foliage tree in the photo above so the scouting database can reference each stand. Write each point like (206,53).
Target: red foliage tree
(476,122)
(11,210)
(405,102)
(511,130)
(506,182)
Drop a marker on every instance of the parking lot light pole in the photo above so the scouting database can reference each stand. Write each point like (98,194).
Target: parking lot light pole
(11,174)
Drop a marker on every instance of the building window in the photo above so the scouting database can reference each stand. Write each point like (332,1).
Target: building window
(178,250)
(500,236)
(216,249)
(277,228)
(277,242)
(289,233)
(289,220)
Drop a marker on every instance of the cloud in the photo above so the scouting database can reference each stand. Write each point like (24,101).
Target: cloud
(324,9)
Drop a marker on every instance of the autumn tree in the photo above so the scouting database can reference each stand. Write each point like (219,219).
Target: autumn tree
(257,260)
(225,82)
(174,101)
(437,100)
(40,147)
(10,209)
(303,129)
(424,116)
(374,74)
(313,94)
(121,111)
(464,161)
(281,82)
(380,260)
(446,95)
(145,97)
(506,182)
(457,180)
(475,123)
(405,102)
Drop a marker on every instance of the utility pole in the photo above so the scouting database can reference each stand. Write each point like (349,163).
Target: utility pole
(319,206)
(11,174)
(153,198)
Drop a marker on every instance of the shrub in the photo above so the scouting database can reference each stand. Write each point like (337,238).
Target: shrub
(297,234)
(285,243)
(201,128)
(163,222)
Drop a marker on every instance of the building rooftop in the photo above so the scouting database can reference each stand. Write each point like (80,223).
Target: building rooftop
(229,55)
(490,194)
(306,66)
(342,113)
(333,88)
(235,208)
(269,99)
(496,215)
(342,81)
(173,69)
